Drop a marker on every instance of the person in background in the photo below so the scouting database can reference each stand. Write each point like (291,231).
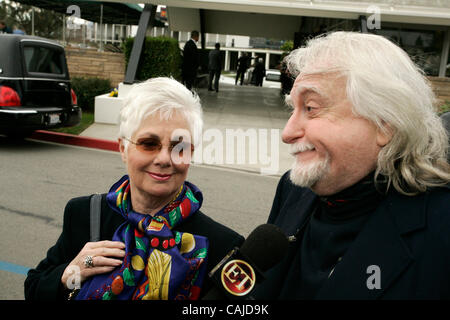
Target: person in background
(215,67)
(18,30)
(190,60)
(366,204)
(4,28)
(243,64)
(260,72)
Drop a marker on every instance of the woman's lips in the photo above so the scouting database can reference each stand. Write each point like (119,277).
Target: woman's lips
(159,176)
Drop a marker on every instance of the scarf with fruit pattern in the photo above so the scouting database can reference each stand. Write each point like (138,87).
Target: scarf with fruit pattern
(160,263)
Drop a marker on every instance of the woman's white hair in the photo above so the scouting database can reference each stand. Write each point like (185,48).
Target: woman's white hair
(166,96)
(387,88)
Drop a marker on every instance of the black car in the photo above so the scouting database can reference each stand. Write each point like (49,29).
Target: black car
(35,90)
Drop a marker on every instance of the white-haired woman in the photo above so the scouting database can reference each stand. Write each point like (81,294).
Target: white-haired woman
(155,242)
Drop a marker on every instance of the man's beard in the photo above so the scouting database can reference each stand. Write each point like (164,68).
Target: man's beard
(309,173)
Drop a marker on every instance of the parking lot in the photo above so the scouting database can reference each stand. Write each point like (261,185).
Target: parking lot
(39,178)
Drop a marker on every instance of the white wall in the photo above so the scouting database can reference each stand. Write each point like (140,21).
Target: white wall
(183,19)
(235,23)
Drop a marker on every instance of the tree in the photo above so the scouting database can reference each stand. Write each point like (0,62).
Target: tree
(287,46)
(47,24)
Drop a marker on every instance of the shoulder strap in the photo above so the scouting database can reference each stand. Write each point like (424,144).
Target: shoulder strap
(95,216)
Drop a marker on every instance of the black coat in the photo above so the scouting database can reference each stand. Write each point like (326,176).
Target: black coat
(408,238)
(44,282)
(214,60)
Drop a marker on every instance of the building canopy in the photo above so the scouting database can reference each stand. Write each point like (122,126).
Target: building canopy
(113,12)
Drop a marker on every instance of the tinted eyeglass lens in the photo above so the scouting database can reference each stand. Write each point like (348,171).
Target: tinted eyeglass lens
(181,147)
(148,145)
(151,145)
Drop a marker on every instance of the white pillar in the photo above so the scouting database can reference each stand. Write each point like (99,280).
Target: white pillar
(267,60)
(83,31)
(113,34)
(226,67)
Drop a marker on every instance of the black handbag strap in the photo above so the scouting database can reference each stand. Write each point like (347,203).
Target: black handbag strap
(95,215)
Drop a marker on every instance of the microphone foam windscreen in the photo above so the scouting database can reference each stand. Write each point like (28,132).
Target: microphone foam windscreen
(265,246)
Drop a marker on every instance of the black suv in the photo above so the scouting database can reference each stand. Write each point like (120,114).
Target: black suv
(35,90)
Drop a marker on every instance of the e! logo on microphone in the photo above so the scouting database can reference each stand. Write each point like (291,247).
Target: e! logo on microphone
(238,277)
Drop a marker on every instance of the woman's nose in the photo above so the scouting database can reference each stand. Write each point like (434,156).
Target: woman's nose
(294,128)
(163,157)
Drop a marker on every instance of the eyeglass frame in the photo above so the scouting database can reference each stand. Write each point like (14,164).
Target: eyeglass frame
(137,144)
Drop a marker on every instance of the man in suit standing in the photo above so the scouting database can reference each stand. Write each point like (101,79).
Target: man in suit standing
(366,204)
(243,63)
(260,72)
(215,67)
(190,60)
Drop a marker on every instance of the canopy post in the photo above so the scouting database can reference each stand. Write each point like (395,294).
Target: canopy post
(202,28)
(147,19)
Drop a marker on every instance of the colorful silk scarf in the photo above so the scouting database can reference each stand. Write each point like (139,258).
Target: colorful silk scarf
(160,263)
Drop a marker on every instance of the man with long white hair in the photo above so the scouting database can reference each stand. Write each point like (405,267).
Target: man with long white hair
(366,204)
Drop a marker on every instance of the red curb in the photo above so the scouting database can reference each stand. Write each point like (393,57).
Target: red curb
(74,140)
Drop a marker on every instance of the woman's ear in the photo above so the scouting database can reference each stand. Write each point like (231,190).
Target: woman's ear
(122,150)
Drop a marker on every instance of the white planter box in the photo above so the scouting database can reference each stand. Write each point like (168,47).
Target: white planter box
(107,109)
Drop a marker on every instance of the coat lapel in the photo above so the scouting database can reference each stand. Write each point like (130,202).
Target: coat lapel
(379,250)
(297,213)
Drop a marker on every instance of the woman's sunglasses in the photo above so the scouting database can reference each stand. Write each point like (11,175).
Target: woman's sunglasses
(153,145)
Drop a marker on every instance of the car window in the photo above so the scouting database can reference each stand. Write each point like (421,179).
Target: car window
(43,60)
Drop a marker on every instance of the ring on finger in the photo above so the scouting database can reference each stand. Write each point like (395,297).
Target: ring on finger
(89,262)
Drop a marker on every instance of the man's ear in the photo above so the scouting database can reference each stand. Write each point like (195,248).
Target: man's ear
(122,150)
(384,135)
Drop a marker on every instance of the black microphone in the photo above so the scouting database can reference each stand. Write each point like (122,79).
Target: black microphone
(236,275)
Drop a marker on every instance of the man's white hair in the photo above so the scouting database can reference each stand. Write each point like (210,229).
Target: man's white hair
(387,88)
(164,96)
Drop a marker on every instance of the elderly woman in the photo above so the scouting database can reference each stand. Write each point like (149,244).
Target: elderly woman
(156,244)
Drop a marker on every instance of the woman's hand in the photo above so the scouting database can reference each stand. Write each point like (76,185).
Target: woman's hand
(102,253)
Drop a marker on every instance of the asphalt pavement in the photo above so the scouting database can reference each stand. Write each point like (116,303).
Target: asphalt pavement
(38,178)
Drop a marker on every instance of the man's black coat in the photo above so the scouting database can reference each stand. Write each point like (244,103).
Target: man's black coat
(44,282)
(407,238)
(190,59)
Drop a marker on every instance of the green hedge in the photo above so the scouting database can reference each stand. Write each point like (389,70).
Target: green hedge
(161,57)
(87,89)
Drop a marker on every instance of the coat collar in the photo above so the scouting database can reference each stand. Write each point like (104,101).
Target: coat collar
(299,211)
(379,244)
